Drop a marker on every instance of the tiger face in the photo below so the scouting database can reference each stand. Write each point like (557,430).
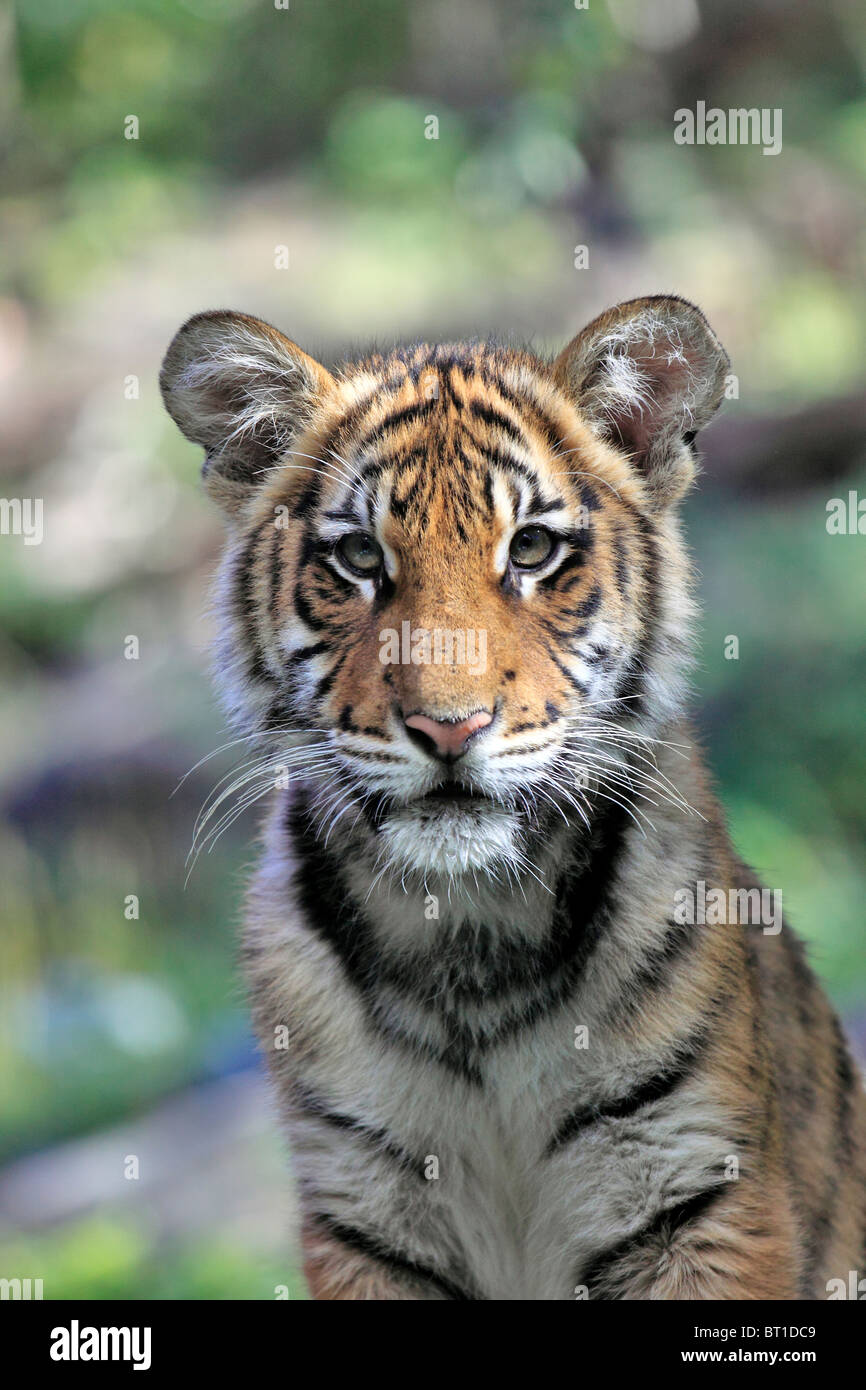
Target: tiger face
(454,573)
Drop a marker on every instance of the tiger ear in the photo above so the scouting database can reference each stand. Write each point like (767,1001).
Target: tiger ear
(648,375)
(240,389)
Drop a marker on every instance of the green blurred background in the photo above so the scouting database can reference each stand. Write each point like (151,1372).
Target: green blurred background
(304,128)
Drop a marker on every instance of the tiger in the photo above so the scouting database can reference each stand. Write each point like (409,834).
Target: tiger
(514,1054)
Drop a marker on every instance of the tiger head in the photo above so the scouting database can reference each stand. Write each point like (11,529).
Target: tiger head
(454,592)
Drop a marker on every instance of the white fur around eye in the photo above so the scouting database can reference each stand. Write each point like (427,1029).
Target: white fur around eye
(366,586)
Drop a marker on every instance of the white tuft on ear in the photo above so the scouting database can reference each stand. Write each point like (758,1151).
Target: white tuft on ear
(647,375)
(240,389)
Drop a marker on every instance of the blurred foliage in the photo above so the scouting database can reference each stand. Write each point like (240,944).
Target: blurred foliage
(781,720)
(306,126)
(539,108)
(108,1258)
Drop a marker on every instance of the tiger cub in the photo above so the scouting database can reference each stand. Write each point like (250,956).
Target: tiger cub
(516,1053)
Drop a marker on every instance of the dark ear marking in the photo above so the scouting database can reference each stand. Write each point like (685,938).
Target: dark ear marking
(241,390)
(647,375)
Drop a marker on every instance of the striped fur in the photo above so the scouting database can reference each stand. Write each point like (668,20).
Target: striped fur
(512,1071)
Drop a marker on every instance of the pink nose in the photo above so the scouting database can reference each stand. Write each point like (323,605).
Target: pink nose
(449,737)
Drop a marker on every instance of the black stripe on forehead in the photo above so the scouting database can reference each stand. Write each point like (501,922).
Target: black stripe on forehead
(440,435)
(495,457)
(470,481)
(436,457)
(310,496)
(399,459)
(416,410)
(493,418)
(414,358)
(343,428)
(539,417)
(403,497)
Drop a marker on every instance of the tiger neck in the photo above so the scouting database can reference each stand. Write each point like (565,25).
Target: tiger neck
(377,923)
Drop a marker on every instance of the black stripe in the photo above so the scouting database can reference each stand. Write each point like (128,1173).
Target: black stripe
(370,757)
(493,455)
(572,564)
(326,683)
(341,922)
(846,1083)
(632,687)
(400,459)
(488,492)
(524,404)
(276,573)
(305,612)
(580,686)
(378,1139)
(246,609)
(655,1088)
(654,968)
(582,913)
(310,495)
(620,566)
(399,506)
(349,422)
(588,606)
(398,1264)
(602,1271)
(565,636)
(415,411)
(556,504)
(495,418)
(525,980)
(589,497)
(307,654)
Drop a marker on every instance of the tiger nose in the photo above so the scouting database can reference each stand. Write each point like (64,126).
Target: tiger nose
(449,736)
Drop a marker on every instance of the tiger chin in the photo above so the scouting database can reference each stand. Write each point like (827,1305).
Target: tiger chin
(516,1068)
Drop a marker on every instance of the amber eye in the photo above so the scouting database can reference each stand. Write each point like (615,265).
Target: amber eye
(360,553)
(531,546)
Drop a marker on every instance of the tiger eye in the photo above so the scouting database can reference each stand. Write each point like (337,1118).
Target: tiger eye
(360,553)
(531,546)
